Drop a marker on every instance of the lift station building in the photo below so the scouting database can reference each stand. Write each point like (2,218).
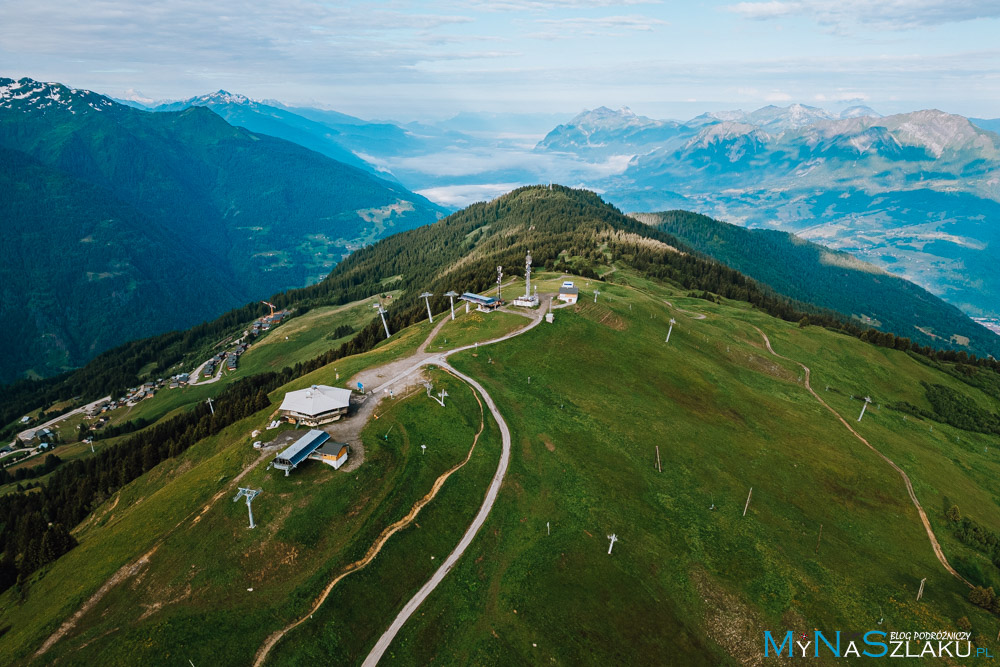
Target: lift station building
(482,303)
(319,404)
(315,445)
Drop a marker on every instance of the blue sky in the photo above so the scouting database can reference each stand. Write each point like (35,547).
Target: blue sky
(406,60)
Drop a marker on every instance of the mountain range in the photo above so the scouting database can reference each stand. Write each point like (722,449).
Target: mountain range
(913,193)
(118,223)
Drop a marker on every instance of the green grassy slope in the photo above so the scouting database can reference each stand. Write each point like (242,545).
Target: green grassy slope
(830,279)
(312,524)
(685,585)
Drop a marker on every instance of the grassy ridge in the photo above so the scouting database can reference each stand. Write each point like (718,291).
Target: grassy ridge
(687,583)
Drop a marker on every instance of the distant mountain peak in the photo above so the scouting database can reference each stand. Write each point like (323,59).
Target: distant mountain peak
(133,95)
(29,95)
(859,111)
(222,97)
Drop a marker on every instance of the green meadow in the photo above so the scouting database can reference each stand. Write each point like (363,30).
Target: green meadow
(829,540)
(687,583)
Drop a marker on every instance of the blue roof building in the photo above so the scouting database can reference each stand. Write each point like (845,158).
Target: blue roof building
(482,302)
(300,450)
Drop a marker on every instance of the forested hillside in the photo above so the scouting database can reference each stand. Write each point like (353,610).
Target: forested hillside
(565,230)
(119,223)
(836,280)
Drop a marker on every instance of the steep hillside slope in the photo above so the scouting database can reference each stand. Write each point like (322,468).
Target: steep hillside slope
(836,280)
(246,213)
(83,271)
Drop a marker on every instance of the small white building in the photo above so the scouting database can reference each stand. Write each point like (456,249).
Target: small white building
(568,292)
(319,404)
(331,453)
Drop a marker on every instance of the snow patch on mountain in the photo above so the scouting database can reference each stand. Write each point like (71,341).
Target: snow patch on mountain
(859,111)
(27,94)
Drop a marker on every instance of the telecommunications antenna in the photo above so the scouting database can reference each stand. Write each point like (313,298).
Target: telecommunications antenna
(499,278)
(527,276)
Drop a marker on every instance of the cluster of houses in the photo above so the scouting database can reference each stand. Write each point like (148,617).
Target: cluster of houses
(230,358)
(265,323)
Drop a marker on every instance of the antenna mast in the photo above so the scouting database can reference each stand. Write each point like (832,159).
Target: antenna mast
(527,276)
(499,278)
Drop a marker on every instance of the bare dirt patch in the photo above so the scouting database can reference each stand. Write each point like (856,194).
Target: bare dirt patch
(730,623)
(601,314)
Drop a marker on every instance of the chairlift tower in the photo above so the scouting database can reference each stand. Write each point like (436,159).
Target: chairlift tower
(596,292)
(249,494)
(426,296)
(613,538)
(210,407)
(671,329)
(867,401)
(381,312)
(451,298)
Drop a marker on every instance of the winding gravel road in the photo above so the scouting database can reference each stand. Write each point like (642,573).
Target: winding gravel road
(484,510)
(418,361)
(906,479)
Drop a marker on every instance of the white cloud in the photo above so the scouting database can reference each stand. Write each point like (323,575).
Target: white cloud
(550,5)
(458,196)
(881,14)
(764,10)
(778,96)
(596,25)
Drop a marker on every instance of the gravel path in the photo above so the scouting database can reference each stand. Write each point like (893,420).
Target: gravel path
(906,479)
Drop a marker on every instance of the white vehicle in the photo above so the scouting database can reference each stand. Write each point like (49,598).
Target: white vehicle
(567,283)
(257,444)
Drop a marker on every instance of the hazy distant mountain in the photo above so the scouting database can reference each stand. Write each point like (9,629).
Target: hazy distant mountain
(991,124)
(858,111)
(602,132)
(493,123)
(283,123)
(119,223)
(914,193)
